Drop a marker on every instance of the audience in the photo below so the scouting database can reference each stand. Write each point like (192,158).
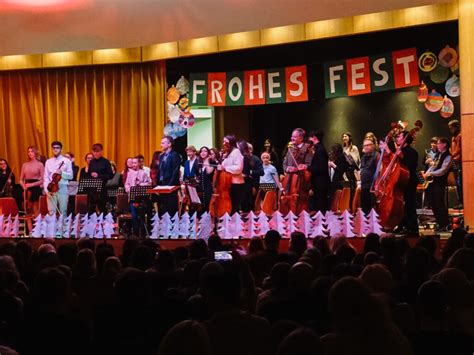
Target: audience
(83,297)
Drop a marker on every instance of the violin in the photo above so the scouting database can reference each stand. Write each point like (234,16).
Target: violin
(296,187)
(53,186)
(391,180)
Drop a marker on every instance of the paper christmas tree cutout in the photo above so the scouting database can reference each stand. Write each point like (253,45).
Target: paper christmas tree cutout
(75,228)
(250,229)
(224,227)
(91,225)
(15,227)
(278,223)
(291,226)
(59,226)
(184,225)
(108,226)
(333,224)
(84,225)
(262,223)
(165,226)
(373,223)
(174,233)
(194,226)
(304,223)
(155,226)
(67,226)
(360,223)
(50,220)
(1,224)
(36,231)
(347,224)
(237,225)
(7,226)
(206,228)
(318,228)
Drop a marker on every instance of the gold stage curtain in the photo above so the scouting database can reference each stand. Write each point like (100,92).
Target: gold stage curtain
(121,106)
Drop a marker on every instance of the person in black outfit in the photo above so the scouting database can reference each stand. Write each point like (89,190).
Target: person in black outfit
(409,159)
(368,165)
(206,173)
(99,168)
(170,161)
(253,169)
(320,181)
(439,172)
(338,166)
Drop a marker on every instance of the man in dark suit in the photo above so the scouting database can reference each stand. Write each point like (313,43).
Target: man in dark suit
(170,162)
(320,181)
(191,169)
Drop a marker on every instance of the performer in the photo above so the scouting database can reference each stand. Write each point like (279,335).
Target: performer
(191,169)
(85,171)
(154,167)
(431,158)
(31,180)
(170,162)
(270,149)
(320,181)
(351,152)
(136,177)
(141,164)
(270,173)
(206,174)
(58,164)
(101,169)
(456,154)
(299,151)
(439,172)
(75,168)
(233,163)
(7,179)
(252,171)
(409,159)
(338,166)
(215,154)
(368,166)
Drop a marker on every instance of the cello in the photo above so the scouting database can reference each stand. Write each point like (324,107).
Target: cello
(296,187)
(220,200)
(391,180)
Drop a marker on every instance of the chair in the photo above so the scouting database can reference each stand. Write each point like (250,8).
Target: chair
(81,204)
(8,207)
(356,200)
(336,198)
(345,201)
(123,209)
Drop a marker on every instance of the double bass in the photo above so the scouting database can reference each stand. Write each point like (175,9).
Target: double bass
(391,180)
(296,187)
(220,200)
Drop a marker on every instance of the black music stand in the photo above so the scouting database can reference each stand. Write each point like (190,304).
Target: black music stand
(139,195)
(267,186)
(87,186)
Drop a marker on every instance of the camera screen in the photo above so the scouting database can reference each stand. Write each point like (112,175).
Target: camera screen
(222,255)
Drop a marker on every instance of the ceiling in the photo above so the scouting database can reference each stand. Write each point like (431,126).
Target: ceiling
(42,26)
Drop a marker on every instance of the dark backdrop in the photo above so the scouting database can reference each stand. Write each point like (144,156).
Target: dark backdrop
(359,114)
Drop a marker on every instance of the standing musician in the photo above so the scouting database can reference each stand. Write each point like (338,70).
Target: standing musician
(233,162)
(58,164)
(409,159)
(252,171)
(206,173)
(320,181)
(298,157)
(136,177)
(101,169)
(269,183)
(439,172)
(368,165)
(7,179)
(456,154)
(191,169)
(31,180)
(168,175)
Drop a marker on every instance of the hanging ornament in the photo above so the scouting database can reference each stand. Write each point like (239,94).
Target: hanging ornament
(427,61)
(453,86)
(173,95)
(173,113)
(182,85)
(448,57)
(183,104)
(434,102)
(439,74)
(422,92)
(186,119)
(447,109)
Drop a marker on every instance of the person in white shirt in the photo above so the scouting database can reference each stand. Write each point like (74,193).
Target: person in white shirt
(136,177)
(233,163)
(141,164)
(59,164)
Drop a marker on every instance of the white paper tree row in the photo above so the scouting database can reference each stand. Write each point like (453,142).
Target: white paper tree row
(186,226)
(91,226)
(9,227)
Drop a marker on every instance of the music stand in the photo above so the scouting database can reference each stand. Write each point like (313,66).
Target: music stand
(87,186)
(267,186)
(138,193)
